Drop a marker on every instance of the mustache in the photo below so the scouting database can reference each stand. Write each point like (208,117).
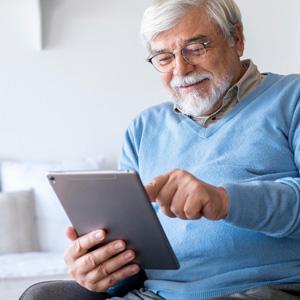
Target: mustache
(183,81)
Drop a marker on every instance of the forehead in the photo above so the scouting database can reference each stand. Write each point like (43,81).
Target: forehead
(195,22)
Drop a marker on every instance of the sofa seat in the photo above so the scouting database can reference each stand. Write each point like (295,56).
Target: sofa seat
(19,271)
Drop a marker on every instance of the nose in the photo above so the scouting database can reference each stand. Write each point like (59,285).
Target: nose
(182,67)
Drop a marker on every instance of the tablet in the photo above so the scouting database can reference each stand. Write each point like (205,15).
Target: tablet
(115,201)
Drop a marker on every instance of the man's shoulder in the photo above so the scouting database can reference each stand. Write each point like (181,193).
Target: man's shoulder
(159,109)
(153,117)
(293,80)
(280,86)
(155,113)
(284,79)
(287,87)
(281,93)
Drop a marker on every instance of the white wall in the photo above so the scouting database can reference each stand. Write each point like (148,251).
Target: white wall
(76,97)
(272,30)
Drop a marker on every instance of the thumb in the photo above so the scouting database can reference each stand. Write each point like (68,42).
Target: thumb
(71,233)
(154,187)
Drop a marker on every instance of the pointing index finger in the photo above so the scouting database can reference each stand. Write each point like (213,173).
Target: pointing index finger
(154,187)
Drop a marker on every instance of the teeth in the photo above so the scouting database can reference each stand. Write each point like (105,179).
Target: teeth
(192,83)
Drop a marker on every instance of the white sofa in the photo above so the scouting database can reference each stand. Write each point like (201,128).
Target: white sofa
(32,225)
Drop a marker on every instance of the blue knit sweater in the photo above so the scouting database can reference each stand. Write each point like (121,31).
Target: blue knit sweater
(254,153)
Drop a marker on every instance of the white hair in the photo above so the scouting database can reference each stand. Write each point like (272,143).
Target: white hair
(165,14)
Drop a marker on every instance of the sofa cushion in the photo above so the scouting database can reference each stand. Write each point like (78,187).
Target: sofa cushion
(31,264)
(17,226)
(50,218)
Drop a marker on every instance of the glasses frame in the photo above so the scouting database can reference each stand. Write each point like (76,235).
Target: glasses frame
(149,59)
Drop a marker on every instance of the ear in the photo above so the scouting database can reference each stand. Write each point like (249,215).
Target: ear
(239,39)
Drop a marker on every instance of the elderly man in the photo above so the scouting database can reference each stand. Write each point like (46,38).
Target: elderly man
(223,164)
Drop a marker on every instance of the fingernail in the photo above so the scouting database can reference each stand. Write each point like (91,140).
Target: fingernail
(129,255)
(99,235)
(134,269)
(119,246)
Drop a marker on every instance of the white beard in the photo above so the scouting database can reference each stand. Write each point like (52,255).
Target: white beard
(195,104)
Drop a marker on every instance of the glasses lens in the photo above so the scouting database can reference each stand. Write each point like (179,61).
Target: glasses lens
(163,62)
(193,53)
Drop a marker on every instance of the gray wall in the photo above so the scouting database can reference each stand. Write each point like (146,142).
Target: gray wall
(75,97)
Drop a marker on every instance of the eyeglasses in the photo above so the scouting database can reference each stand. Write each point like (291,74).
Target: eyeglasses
(192,53)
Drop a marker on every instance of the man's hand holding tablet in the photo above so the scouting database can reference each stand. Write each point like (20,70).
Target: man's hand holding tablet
(101,268)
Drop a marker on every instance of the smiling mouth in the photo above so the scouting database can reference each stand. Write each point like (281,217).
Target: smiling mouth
(192,86)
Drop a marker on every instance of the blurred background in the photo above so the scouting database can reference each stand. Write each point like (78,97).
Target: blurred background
(73,72)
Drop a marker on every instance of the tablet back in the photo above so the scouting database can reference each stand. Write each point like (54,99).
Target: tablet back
(115,201)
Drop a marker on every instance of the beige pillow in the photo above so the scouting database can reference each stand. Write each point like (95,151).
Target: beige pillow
(50,219)
(17,230)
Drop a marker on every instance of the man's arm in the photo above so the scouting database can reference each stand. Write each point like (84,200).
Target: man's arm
(271,207)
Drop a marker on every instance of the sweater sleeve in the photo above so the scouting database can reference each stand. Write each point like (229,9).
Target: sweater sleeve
(271,207)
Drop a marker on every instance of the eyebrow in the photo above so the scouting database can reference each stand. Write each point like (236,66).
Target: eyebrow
(197,38)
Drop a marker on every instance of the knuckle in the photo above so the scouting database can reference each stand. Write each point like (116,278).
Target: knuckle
(178,172)
(102,287)
(80,281)
(72,272)
(160,201)
(164,209)
(206,195)
(153,182)
(179,214)
(173,178)
(168,212)
(194,187)
(191,214)
(90,278)
(88,261)
(175,210)
(187,212)
(77,246)
(67,256)
(102,270)
(90,286)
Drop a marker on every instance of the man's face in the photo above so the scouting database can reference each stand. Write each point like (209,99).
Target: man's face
(199,89)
